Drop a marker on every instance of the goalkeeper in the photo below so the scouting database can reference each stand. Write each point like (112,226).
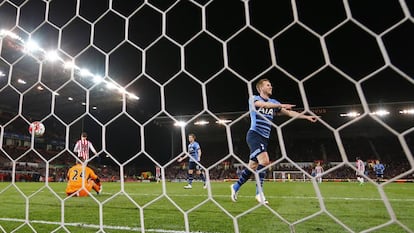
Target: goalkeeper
(80,186)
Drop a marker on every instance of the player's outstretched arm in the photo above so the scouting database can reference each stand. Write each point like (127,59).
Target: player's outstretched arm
(262,104)
(292,113)
(92,147)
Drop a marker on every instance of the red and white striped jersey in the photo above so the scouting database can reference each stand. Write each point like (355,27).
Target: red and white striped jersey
(157,171)
(318,169)
(360,166)
(82,147)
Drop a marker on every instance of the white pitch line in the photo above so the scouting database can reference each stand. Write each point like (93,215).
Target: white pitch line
(137,229)
(274,197)
(285,197)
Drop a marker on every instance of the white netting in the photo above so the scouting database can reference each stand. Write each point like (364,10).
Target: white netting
(125,71)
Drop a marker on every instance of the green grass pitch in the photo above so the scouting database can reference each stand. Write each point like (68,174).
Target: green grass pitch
(293,207)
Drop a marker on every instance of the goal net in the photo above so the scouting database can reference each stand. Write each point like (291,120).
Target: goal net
(140,76)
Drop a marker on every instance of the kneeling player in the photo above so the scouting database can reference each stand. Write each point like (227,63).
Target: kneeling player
(76,174)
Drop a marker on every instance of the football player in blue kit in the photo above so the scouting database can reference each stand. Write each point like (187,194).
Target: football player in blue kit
(262,110)
(194,150)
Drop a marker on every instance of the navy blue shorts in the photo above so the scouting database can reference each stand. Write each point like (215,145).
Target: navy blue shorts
(257,144)
(193,166)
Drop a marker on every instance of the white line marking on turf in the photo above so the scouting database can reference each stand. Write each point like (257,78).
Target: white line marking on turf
(272,197)
(138,229)
(282,197)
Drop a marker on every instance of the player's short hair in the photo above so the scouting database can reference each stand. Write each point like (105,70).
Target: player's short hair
(84,134)
(192,135)
(260,83)
(357,158)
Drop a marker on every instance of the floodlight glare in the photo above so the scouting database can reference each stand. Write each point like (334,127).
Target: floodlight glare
(350,114)
(69,65)
(381,112)
(21,81)
(97,79)
(407,111)
(180,123)
(223,121)
(4,33)
(31,46)
(110,85)
(201,122)
(52,56)
(85,72)
(132,96)
(121,90)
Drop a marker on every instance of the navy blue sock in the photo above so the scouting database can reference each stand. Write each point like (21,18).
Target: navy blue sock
(190,178)
(262,175)
(245,176)
(203,178)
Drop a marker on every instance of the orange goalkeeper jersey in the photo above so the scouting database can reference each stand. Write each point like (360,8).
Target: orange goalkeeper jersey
(75,177)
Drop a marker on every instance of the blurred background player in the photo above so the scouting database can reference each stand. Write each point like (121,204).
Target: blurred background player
(83,146)
(360,166)
(194,150)
(379,171)
(81,180)
(157,174)
(319,171)
(262,110)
